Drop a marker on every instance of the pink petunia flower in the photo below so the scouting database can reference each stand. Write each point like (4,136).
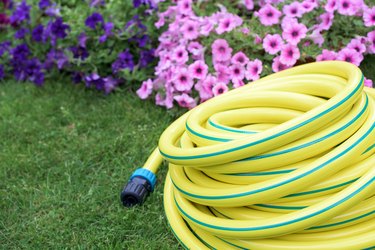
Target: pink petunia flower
(326,55)
(197,50)
(293,10)
(221,50)
(289,54)
(346,7)
(190,30)
(331,5)
(207,25)
(198,70)
(326,20)
(239,58)
(268,15)
(288,21)
(368,82)
(237,83)
(205,87)
(145,90)
(237,71)
(222,73)
(277,65)
(185,7)
(272,43)
(219,88)
(257,39)
(254,69)
(294,32)
(182,80)
(371,41)
(185,101)
(180,55)
(350,55)
(228,23)
(317,37)
(249,4)
(357,44)
(369,17)
(245,31)
(308,6)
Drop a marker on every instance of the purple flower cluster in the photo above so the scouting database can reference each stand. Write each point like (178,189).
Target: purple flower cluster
(192,68)
(34,49)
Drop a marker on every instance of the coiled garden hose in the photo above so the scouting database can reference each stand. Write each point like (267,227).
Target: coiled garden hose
(286,162)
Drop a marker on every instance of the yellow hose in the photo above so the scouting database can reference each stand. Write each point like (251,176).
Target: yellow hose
(286,162)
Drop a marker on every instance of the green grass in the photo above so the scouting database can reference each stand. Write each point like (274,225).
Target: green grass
(65,154)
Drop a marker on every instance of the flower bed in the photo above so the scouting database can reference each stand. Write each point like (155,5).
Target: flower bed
(102,44)
(209,48)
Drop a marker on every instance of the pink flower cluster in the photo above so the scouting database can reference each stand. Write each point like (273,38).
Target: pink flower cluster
(182,69)
(191,70)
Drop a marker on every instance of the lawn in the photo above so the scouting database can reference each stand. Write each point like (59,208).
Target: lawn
(65,154)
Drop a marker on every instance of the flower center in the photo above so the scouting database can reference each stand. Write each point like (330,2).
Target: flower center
(190,28)
(345,5)
(221,49)
(241,59)
(290,53)
(183,78)
(220,91)
(226,24)
(294,33)
(270,14)
(236,71)
(273,44)
(198,70)
(348,59)
(255,70)
(294,11)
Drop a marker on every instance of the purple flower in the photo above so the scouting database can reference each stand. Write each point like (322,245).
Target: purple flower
(95,3)
(221,50)
(182,80)
(240,58)
(20,52)
(82,38)
(57,57)
(2,73)
(110,84)
(107,32)
(4,47)
(21,13)
(53,11)
(277,65)
(21,33)
(198,69)
(37,33)
(34,71)
(146,57)
(93,20)
(254,69)
(59,29)
(44,4)
(77,77)
(79,52)
(124,61)
(94,80)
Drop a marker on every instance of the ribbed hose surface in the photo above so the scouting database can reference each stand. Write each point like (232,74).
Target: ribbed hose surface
(286,162)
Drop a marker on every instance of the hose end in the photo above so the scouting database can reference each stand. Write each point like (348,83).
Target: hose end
(141,183)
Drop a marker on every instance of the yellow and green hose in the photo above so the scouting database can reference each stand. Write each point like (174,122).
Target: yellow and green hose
(286,162)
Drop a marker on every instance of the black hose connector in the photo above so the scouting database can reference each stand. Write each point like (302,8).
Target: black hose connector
(141,184)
